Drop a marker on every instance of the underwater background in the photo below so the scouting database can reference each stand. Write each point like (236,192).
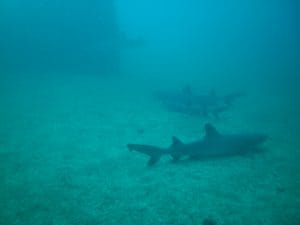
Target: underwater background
(80,80)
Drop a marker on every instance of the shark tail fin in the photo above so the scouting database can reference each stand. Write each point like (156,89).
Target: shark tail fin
(153,152)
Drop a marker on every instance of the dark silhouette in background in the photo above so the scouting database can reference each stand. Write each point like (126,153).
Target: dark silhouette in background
(186,101)
(70,36)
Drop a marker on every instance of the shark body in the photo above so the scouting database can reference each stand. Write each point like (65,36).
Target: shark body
(212,145)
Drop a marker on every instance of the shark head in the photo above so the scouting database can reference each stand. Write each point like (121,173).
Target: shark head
(232,143)
(256,139)
(249,143)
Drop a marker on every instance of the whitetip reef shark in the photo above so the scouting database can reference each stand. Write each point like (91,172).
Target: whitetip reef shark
(212,145)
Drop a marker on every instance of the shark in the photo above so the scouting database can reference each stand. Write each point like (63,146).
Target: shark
(213,145)
(207,104)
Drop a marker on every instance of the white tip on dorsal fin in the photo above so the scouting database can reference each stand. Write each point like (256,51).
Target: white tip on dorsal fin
(210,131)
(176,141)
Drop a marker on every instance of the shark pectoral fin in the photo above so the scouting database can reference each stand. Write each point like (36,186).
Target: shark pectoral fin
(153,160)
(175,157)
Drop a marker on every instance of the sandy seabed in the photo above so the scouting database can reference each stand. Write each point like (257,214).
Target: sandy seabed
(63,158)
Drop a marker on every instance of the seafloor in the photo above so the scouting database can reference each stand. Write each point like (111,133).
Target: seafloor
(63,158)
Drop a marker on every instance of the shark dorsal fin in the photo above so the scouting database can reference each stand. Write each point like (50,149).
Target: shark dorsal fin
(210,131)
(176,141)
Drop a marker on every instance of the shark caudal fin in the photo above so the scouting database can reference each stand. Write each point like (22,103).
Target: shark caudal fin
(153,152)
